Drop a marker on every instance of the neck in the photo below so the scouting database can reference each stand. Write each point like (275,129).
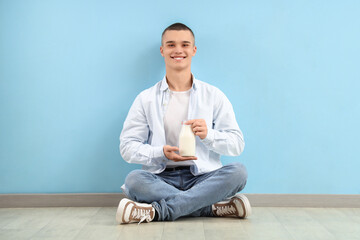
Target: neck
(179,81)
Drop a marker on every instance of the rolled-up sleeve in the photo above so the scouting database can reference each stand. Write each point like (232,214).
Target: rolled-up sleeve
(225,137)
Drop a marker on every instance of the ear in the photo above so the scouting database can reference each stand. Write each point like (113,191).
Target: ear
(161,50)
(194,50)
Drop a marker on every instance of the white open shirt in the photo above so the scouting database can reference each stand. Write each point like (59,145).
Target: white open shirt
(143,135)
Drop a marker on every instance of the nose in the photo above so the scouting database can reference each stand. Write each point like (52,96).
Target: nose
(178,49)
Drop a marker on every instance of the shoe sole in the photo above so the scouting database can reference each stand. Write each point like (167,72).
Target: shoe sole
(247,206)
(121,209)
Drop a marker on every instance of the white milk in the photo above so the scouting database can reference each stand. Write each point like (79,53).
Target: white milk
(186,141)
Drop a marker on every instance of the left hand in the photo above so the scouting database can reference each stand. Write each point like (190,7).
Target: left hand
(170,154)
(199,127)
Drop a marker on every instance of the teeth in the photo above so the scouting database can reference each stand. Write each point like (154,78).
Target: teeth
(179,58)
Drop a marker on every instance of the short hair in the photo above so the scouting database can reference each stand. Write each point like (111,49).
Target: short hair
(177,27)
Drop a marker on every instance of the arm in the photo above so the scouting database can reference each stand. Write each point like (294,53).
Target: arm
(225,136)
(134,147)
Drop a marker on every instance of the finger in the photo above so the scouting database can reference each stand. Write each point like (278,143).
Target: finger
(181,158)
(198,124)
(188,158)
(185,159)
(190,122)
(199,129)
(172,149)
(178,157)
(200,134)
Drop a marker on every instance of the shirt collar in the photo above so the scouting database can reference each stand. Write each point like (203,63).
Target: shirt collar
(164,86)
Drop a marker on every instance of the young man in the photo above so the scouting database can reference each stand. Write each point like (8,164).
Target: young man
(170,186)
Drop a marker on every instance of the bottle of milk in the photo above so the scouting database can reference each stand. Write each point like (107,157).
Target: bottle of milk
(186,141)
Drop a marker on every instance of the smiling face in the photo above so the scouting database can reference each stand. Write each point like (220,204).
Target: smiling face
(178,48)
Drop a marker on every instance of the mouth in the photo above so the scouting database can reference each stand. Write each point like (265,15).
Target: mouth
(178,58)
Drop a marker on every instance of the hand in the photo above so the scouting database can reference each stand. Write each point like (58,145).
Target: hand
(199,127)
(170,153)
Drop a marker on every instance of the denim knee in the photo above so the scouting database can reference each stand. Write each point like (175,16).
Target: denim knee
(237,174)
(135,182)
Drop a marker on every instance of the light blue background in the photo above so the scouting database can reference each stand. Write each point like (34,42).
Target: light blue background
(70,70)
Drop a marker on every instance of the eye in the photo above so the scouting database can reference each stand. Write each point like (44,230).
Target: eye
(185,45)
(171,45)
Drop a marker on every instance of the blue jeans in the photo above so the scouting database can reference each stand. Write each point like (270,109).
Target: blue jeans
(179,193)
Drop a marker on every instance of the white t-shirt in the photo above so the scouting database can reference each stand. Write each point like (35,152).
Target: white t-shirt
(177,111)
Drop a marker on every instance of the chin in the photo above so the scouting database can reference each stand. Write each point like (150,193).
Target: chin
(179,68)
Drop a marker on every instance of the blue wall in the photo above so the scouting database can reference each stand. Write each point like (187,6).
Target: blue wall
(69,71)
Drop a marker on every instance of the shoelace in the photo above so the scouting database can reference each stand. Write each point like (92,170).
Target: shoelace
(225,210)
(141,214)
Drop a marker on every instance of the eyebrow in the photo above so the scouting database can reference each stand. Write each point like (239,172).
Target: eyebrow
(174,42)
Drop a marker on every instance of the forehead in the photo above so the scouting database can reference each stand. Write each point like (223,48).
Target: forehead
(178,36)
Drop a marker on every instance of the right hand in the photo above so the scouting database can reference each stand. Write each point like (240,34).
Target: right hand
(170,153)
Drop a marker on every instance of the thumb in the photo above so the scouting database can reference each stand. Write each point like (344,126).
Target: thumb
(171,148)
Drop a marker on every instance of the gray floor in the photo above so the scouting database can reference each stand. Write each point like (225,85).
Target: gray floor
(99,223)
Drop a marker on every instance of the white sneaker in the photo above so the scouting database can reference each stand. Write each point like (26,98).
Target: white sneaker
(130,212)
(237,206)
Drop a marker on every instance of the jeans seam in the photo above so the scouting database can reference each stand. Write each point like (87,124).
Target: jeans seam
(196,185)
